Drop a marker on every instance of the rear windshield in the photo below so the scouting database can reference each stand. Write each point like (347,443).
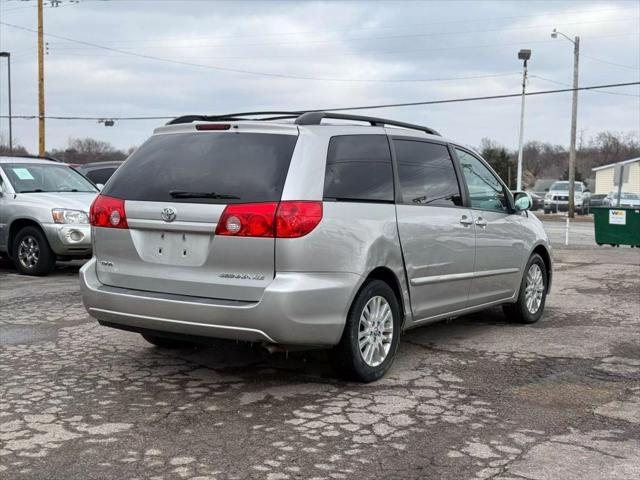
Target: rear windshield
(205,168)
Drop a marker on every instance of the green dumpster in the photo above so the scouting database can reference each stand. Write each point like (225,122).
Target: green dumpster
(617,226)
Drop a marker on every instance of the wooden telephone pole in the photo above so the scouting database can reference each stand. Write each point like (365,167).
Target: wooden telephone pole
(41,139)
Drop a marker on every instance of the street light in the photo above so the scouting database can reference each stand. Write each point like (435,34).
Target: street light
(574,118)
(524,55)
(7,55)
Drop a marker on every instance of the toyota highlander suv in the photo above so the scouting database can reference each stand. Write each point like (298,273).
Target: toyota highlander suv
(289,231)
(44,213)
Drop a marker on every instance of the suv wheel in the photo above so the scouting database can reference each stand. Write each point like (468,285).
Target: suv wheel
(533,293)
(371,334)
(31,252)
(166,342)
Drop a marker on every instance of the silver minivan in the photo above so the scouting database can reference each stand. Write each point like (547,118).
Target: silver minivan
(290,231)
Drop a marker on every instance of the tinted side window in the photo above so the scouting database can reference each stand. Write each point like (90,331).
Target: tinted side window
(427,175)
(485,191)
(100,175)
(359,168)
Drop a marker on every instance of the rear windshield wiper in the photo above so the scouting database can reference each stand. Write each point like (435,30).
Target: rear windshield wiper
(181,194)
(37,190)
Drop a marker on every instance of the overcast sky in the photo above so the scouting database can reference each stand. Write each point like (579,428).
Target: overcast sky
(279,55)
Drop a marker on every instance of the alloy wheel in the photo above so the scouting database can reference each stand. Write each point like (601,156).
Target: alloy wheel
(375,332)
(534,288)
(29,252)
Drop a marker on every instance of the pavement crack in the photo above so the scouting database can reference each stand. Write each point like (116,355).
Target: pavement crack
(591,449)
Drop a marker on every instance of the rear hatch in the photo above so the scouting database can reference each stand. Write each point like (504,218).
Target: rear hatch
(175,187)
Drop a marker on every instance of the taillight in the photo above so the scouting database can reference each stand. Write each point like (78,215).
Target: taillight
(108,212)
(296,218)
(248,220)
(289,219)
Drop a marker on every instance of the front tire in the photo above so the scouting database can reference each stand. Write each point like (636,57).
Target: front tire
(31,252)
(533,293)
(371,334)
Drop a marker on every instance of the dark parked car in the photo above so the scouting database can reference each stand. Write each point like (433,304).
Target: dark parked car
(537,201)
(98,172)
(598,200)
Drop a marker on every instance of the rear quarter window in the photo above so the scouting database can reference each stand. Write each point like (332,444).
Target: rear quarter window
(242,167)
(359,169)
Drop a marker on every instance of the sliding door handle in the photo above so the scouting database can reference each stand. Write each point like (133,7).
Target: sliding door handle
(464,220)
(481,222)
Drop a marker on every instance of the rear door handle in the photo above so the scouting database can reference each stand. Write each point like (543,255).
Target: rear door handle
(481,222)
(464,220)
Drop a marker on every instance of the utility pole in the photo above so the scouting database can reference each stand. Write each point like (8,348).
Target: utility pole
(524,55)
(7,55)
(574,121)
(41,133)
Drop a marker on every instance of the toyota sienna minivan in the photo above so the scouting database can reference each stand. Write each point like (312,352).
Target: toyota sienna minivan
(308,230)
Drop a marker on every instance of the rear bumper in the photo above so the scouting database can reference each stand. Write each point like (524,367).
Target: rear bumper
(296,309)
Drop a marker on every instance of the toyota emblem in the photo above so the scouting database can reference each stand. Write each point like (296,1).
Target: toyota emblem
(168,214)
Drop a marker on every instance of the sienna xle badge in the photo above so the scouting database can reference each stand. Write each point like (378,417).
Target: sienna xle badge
(282,228)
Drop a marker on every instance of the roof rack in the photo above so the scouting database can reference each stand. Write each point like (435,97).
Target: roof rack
(234,116)
(315,118)
(301,118)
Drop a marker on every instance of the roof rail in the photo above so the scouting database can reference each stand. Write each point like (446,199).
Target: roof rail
(315,118)
(234,116)
(301,118)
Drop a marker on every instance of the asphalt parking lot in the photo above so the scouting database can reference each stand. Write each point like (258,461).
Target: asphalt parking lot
(472,398)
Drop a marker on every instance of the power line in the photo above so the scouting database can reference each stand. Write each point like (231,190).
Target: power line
(228,46)
(251,72)
(594,91)
(366,107)
(72,51)
(611,63)
(379,27)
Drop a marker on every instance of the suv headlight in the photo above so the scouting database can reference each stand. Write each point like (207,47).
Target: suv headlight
(62,215)
(548,196)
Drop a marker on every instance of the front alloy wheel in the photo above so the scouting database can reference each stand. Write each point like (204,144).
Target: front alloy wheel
(31,252)
(534,289)
(533,293)
(28,252)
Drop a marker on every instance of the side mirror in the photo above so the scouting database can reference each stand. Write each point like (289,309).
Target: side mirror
(100,186)
(546,189)
(522,201)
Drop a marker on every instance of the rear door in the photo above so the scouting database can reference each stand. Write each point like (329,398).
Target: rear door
(500,236)
(175,188)
(436,229)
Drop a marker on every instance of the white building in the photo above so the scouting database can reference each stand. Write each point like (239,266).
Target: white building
(608,177)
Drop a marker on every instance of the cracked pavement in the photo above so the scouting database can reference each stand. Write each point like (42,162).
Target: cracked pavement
(472,398)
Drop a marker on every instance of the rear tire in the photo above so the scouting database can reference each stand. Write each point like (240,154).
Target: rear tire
(31,253)
(533,293)
(371,334)
(165,342)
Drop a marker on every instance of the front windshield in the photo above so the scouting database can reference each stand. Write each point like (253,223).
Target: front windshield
(564,187)
(42,177)
(560,186)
